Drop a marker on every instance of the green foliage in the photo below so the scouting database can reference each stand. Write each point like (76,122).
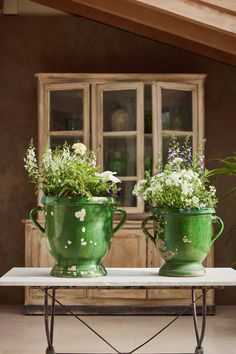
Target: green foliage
(69,172)
(229,169)
(181,183)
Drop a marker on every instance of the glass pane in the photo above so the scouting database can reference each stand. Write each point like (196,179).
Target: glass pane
(176,110)
(66,110)
(60,140)
(148,160)
(147,109)
(119,110)
(166,144)
(120,155)
(127,198)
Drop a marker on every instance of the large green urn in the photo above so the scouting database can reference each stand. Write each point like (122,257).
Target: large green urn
(79,233)
(184,238)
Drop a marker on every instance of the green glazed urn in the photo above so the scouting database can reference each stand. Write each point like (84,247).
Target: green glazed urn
(79,233)
(184,238)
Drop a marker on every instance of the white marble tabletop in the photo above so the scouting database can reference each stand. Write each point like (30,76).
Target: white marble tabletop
(119,277)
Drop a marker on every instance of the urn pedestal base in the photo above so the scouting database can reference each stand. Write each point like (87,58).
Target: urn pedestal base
(84,270)
(190,269)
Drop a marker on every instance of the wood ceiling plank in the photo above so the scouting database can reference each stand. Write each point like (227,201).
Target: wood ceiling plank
(155,25)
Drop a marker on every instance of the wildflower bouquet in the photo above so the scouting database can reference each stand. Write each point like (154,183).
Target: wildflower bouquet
(68,172)
(182,183)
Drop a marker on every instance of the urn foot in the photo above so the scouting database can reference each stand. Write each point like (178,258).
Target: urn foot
(191,269)
(78,271)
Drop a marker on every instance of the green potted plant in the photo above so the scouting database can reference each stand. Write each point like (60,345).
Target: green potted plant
(78,205)
(228,168)
(182,210)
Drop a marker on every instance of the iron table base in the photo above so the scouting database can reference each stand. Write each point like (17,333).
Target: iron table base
(49,317)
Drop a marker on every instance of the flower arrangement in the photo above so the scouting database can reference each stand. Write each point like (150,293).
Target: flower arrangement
(69,172)
(182,183)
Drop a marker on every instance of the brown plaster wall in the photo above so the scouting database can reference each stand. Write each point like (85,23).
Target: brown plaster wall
(72,44)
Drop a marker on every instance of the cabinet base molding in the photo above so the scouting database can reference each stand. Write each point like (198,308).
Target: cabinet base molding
(119,310)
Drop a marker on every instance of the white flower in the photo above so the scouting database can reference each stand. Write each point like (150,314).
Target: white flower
(195,200)
(175,161)
(108,176)
(168,182)
(79,148)
(187,189)
(175,178)
(212,190)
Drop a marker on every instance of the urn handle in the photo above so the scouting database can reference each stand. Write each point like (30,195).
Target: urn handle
(123,219)
(145,230)
(220,229)
(33,217)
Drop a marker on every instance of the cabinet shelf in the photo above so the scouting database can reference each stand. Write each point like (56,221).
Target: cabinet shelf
(121,133)
(66,132)
(177,133)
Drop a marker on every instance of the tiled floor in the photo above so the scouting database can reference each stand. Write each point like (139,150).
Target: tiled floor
(20,334)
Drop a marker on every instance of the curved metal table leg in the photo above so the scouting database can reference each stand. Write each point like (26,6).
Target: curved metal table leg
(49,324)
(199,332)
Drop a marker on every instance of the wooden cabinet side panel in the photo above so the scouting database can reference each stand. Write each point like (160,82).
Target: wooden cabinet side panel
(37,255)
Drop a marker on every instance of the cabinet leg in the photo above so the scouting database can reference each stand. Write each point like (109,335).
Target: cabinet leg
(199,333)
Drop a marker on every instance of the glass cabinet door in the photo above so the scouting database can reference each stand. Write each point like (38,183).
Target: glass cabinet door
(174,114)
(120,136)
(67,113)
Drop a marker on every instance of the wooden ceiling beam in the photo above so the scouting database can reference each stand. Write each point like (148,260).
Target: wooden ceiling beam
(156,25)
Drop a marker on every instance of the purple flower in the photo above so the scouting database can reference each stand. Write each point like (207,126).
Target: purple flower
(118,193)
(109,182)
(110,191)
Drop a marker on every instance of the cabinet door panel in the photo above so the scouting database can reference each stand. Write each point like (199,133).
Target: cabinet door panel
(128,249)
(175,113)
(64,114)
(119,140)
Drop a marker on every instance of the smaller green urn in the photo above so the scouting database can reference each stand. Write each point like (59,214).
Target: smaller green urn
(184,238)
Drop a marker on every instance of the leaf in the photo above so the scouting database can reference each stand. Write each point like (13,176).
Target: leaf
(233,190)
(221,171)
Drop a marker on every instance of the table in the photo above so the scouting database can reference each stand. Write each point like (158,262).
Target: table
(146,278)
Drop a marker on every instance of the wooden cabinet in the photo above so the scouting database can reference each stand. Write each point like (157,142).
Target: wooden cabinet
(128,119)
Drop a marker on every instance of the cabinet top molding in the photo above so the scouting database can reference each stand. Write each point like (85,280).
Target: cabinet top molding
(52,77)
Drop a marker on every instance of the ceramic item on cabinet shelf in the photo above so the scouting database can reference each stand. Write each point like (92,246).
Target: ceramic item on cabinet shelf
(148,163)
(71,123)
(148,122)
(119,118)
(117,162)
(175,117)
(182,210)
(78,206)
(166,122)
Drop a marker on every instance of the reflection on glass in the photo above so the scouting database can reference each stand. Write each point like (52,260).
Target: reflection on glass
(66,110)
(60,140)
(127,198)
(120,155)
(119,110)
(176,110)
(166,144)
(148,153)
(147,109)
